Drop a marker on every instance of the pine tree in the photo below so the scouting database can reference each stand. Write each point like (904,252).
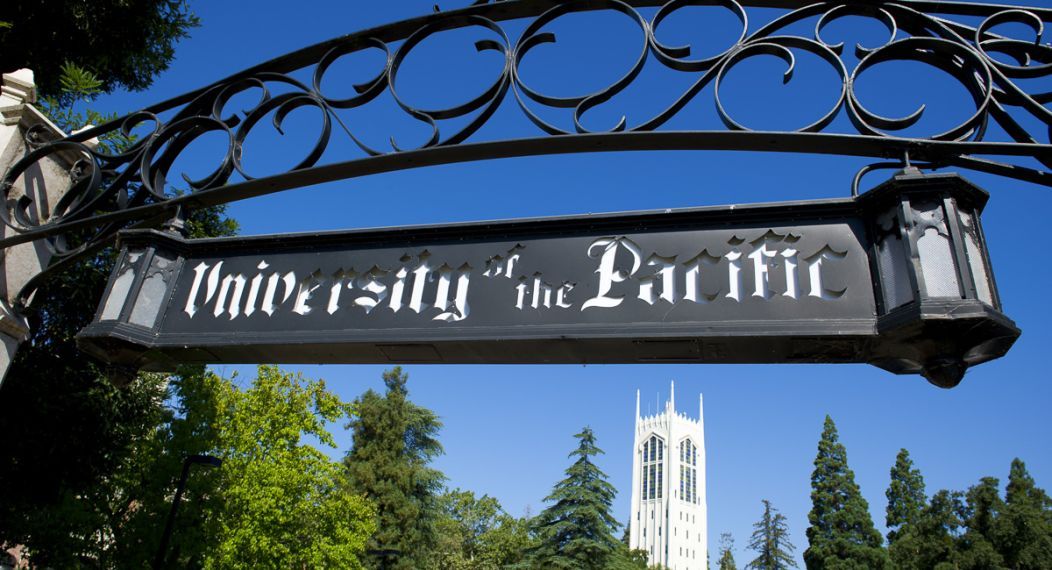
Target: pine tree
(576,531)
(393,442)
(841,534)
(928,541)
(905,495)
(726,561)
(983,506)
(1024,529)
(770,540)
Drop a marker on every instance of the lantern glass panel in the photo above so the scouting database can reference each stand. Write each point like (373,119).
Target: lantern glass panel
(111,311)
(152,293)
(891,257)
(936,251)
(975,257)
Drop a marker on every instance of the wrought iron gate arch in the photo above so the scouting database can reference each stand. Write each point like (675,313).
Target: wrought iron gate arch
(113,192)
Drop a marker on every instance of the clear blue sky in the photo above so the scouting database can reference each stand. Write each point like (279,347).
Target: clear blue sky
(508,429)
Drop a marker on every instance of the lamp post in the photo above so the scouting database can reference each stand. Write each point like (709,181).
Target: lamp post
(209,460)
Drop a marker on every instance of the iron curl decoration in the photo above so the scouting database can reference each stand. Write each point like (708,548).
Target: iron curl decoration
(114,191)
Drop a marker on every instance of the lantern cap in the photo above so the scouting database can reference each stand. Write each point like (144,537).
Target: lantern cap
(912,181)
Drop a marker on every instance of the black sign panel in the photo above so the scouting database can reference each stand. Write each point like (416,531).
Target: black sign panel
(766,283)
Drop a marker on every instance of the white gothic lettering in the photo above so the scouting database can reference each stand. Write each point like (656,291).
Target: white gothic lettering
(767,267)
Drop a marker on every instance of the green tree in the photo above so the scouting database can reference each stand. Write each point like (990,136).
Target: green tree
(506,545)
(1024,535)
(726,561)
(905,495)
(394,440)
(275,502)
(841,534)
(928,542)
(474,533)
(80,443)
(70,109)
(983,506)
(76,424)
(576,530)
(282,501)
(626,558)
(770,541)
(139,493)
(56,494)
(125,44)
(462,520)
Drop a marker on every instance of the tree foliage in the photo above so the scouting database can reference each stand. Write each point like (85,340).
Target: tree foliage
(125,44)
(980,515)
(75,425)
(282,504)
(905,495)
(928,541)
(726,560)
(841,534)
(1025,533)
(576,530)
(394,441)
(978,529)
(276,502)
(72,446)
(770,541)
(475,533)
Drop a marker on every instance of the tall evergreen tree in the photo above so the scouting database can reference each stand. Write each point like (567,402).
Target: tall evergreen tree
(841,534)
(1024,529)
(576,531)
(905,495)
(726,561)
(983,506)
(928,541)
(770,541)
(394,440)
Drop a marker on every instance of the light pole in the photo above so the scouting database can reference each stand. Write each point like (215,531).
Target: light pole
(209,460)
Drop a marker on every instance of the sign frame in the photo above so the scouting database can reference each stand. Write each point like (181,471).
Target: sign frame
(935,335)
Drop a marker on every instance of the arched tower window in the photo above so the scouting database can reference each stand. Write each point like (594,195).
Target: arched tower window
(688,471)
(652,460)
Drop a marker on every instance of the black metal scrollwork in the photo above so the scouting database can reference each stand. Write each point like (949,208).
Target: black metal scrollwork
(110,192)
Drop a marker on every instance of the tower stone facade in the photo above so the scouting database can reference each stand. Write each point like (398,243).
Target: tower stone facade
(669,514)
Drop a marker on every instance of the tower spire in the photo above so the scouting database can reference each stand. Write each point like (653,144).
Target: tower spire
(672,396)
(637,404)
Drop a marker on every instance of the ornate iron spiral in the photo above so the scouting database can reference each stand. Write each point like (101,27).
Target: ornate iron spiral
(110,192)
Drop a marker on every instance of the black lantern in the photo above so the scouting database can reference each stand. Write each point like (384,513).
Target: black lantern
(135,300)
(937,301)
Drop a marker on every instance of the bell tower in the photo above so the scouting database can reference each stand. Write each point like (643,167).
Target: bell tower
(669,515)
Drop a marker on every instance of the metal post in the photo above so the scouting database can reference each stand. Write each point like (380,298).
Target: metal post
(158,562)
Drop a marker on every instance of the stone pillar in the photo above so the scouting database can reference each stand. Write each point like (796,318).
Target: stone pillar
(44,183)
